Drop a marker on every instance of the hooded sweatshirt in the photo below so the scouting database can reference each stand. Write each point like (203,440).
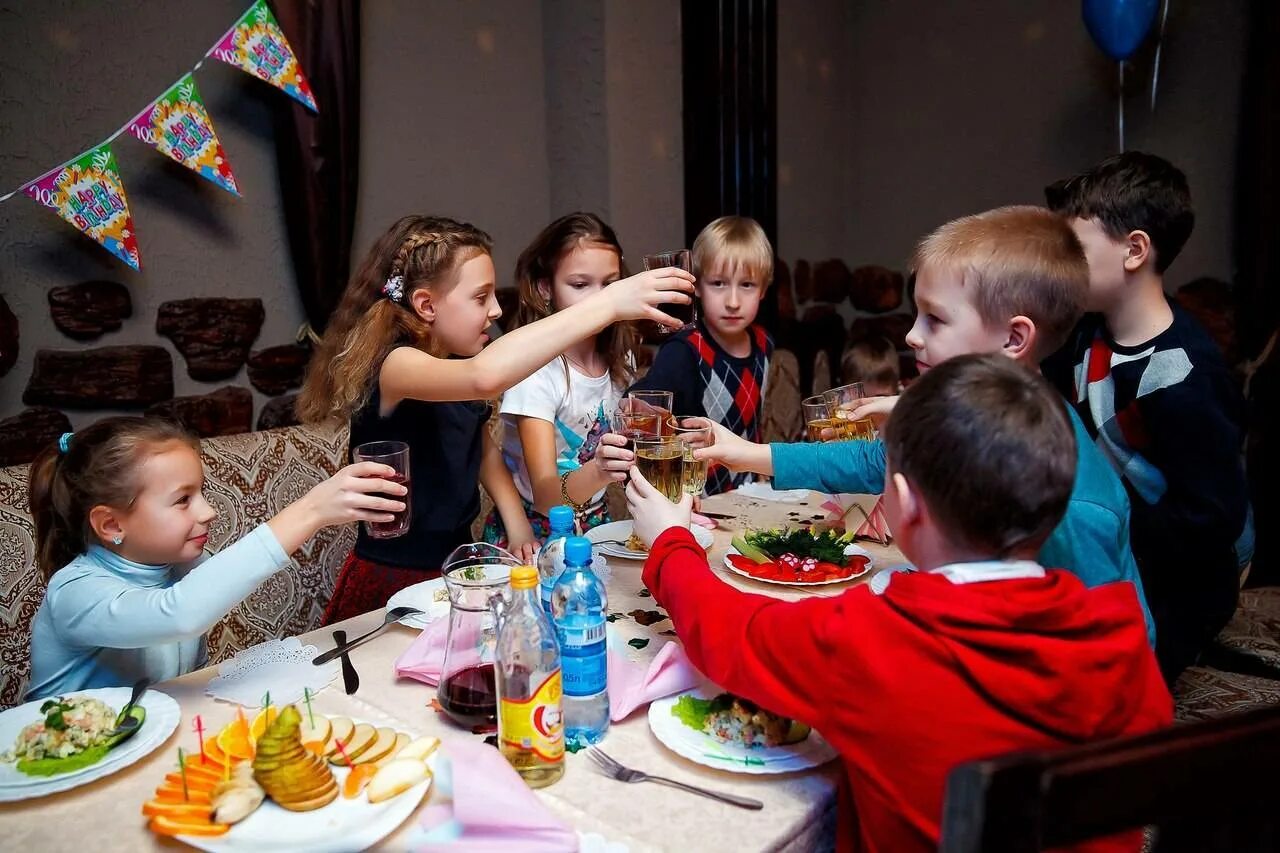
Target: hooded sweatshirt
(936,669)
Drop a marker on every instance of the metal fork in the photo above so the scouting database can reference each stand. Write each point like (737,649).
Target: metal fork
(625,774)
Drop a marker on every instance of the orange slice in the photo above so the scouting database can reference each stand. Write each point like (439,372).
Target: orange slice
(235,740)
(164,825)
(171,794)
(317,747)
(357,779)
(265,717)
(208,770)
(194,783)
(214,753)
(153,808)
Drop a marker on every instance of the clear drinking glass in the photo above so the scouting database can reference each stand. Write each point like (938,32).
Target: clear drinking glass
(675,258)
(692,433)
(841,402)
(659,403)
(817,419)
(661,461)
(395,454)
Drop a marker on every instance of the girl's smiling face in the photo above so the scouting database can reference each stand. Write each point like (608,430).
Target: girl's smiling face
(168,521)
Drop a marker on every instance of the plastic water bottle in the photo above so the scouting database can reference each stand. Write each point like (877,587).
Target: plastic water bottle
(551,557)
(527,664)
(578,607)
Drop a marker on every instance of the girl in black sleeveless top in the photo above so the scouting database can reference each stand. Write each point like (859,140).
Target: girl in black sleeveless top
(404,358)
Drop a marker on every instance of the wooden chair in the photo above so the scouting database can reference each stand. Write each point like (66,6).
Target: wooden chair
(1204,786)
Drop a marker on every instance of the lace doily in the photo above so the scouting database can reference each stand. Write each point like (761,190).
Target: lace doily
(282,667)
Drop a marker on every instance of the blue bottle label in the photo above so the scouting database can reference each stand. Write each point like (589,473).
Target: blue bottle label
(583,659)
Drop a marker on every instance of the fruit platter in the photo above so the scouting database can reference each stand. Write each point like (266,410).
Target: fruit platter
(797,556)
(293,779)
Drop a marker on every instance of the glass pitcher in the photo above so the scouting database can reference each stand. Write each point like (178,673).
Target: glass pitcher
(477,577)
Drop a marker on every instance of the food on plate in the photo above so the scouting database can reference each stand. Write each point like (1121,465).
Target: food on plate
(396,777)
(75,732)
(237,797)
(236,739)
(203,803)
(797,555)
(315,729)
(290,774)
(362,737)
(402,740)
(379,749)
(420,749)
(357,779)
(635,543)
(340,729)
(732,719)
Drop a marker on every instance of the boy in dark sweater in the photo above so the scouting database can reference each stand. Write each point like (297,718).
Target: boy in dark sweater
(717,366)
(1153,391)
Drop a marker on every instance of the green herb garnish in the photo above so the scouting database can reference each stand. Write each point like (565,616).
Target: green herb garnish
(826,546)
(691,711)
(473,573)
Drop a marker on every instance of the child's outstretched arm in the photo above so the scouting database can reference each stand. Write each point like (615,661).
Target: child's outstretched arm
(497,481)
(94,610)
(786,656)
(410,373)
(735,452)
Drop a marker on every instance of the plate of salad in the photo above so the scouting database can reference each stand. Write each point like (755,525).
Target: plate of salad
(61,742)
(731,733)
(797,557)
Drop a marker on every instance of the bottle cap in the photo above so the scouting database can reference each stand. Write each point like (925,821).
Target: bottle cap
(524,577)
(561,518)
(577,551)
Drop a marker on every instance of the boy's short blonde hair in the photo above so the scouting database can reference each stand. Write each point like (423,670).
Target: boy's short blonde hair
(874,363)
(1019,260)
(738,242)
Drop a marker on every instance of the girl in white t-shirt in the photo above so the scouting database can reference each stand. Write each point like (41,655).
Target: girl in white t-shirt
(554,421)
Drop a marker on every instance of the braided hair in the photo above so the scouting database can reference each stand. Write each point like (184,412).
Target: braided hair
(375,315)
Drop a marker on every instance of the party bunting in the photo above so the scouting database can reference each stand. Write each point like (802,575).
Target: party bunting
(256,45)
(88,193)
(178,125)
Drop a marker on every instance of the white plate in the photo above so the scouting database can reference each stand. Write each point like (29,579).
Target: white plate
(701,748)
(618,531)
(422,596)
(163,715)
(849,550)
(342,825)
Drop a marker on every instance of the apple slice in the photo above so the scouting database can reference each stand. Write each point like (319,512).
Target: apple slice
(420,749)
(380,748)
(340,728)
(402,740)
(320,731)
(395,777)
(361,739)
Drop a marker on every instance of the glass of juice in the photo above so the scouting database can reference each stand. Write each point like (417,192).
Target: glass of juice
(395,454)
(693,433)
(675,258)
(661,461)
(817,419)
(841,402)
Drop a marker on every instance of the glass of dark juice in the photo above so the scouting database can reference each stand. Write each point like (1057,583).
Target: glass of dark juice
(675,258)
(395,454)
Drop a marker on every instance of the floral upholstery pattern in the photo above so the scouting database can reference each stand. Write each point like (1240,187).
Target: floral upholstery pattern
(248,478)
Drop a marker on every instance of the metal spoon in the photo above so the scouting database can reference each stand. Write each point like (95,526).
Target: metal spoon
(395,614)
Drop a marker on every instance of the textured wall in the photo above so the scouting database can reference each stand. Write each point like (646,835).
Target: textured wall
(72,73)
(895,117)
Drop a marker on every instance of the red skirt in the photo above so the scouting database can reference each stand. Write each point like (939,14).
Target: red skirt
(364,585)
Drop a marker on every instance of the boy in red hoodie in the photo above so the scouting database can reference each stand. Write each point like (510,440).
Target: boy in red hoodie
(979,652)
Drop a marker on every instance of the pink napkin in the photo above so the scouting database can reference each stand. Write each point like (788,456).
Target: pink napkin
(703,521)
(632,685)
(496,809)
(877,526)
(424,658)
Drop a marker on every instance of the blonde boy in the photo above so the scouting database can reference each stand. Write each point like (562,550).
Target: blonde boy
(1013,281)
(716,366)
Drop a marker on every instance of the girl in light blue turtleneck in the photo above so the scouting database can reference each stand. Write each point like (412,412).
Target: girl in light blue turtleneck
(121,525)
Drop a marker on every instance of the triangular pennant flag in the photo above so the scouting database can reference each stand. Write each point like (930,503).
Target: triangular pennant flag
(256,45)
(88,193)
(177,124)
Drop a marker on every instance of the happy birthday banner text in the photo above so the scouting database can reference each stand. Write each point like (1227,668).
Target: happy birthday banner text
(87,190)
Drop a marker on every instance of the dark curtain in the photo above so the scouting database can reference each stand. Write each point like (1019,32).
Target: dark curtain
(319,154)
(1258,272)
(729,50)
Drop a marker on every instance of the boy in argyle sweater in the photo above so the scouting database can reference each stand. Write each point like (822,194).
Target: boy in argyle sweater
(1153,391)
(716,367)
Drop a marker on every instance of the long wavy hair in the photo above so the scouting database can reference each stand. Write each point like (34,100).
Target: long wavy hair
(99,468)
(537,264)
(367,325)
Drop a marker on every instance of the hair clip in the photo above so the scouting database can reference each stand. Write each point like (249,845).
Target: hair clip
(64,442)
(394,288)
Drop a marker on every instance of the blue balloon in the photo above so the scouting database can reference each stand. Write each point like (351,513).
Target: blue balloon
(1119,26)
